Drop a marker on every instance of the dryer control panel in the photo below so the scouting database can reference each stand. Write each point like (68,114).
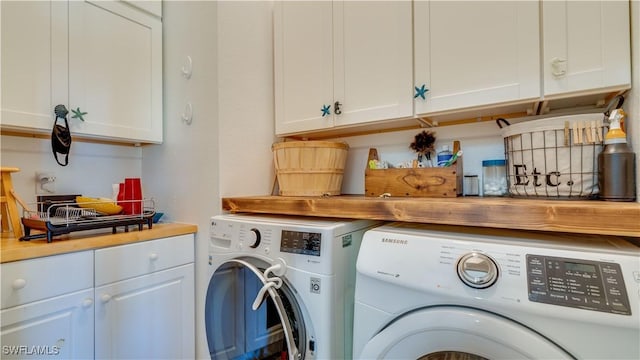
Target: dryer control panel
(590,285)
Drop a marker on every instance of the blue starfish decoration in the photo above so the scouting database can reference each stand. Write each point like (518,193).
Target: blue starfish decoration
(77,114)
(421,91)
(326,110)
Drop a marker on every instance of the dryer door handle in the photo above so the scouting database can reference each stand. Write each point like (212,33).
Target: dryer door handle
(269,287)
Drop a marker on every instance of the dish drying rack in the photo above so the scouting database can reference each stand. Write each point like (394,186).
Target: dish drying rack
(59,218)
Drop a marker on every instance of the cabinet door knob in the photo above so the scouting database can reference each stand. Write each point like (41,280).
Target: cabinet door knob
(105,298)
(86,303)
(558,67)
(19,284)
(421,92)
(336,108)
(153,256)
(326,110)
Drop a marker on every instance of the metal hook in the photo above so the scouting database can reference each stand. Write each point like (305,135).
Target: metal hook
(187,115)
(337,109)
(188,68)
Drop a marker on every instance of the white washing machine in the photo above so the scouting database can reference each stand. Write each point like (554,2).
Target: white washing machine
(435,292)
(281,287)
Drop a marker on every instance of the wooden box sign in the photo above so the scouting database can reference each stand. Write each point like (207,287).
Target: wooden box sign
(415,182)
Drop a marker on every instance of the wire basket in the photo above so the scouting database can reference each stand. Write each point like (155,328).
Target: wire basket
(554,158)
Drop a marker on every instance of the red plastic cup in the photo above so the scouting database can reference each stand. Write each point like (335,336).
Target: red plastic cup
(126,206)
(133,196)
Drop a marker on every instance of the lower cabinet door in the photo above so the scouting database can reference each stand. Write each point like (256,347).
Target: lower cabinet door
(60,327)
(147,317)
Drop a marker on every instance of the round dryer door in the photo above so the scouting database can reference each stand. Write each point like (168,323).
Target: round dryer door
(465,333)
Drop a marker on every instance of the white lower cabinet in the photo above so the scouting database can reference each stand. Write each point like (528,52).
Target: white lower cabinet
(60,327)
(147,317)
(145,300)
(131,301)
(47,308)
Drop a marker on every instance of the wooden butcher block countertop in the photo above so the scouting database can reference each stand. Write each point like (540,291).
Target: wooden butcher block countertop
(13,249)
(572,216)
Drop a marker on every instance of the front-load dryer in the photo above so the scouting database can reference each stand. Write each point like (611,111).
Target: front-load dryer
(281,287)
(436,292)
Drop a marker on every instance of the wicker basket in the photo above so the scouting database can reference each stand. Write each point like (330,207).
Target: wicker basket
(309,168)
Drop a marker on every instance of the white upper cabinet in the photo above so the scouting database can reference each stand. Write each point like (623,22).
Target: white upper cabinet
(151,6)
(103,57)
(341,63)
(115,70)
(303,56)
(34,62)
(586,46)
(372,62)
(475,53)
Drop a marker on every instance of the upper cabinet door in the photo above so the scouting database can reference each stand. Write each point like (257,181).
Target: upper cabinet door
(373,60)
(340,63)
(34,62)
(115,70)
(303,60)
(475,53)
(586,46)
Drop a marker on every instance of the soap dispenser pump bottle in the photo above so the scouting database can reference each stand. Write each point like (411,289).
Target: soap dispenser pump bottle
(616,163)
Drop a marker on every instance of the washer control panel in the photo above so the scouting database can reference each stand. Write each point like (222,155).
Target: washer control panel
(590,285)
(301,242)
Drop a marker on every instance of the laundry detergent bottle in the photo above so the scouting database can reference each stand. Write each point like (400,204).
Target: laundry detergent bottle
(616,163)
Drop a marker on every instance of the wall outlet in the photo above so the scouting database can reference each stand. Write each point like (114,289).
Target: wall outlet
(45,182)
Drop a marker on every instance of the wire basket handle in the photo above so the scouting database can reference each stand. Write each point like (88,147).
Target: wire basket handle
(502,120)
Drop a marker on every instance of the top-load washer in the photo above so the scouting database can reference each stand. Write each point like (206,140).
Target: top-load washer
(281,286)
(435,292)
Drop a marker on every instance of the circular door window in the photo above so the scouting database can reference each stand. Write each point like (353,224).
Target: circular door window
(458,333)
(234,329)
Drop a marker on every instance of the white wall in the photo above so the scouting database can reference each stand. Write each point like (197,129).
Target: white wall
(184,170)
(478,141)
(246,113)
(91,171)
(226,151)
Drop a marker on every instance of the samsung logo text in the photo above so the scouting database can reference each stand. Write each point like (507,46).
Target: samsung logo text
(395,241)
